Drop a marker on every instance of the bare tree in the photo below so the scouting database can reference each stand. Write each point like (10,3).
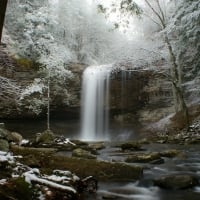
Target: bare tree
(3,5)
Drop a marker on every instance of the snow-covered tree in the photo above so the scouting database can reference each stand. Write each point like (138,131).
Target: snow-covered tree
(73,27)
(33,97)
(33,39)
(86,33)
(159,12)
(184,31)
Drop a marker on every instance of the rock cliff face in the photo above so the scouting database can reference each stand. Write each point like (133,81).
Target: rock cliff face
(17,75)
(140,96)
(135,95)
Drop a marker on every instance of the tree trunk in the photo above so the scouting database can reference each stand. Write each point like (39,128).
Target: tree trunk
(179,102)
(182,105)
(176,72)
(3,5)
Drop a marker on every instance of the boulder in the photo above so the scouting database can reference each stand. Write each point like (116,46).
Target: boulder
(46,137)
(176,181)
(16,188)
(15,137)
(2,125)
(4,146)
(3,133)
(97,146)
(130,146)
(143,158)
(101,170)
(170,153)
(144,141)
(157,162)
(81,153)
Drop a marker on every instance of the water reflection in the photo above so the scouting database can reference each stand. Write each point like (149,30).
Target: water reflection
(67,128)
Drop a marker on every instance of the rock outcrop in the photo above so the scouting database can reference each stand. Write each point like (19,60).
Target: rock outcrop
(137,95)
(141,95)
(17,74)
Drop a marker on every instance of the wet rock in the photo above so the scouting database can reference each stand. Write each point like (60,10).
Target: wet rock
(2,125)
(15,137)
(130,146)
(101,170)
(33,162)
(194,141)
(170,153)
(6,166)
(3,132)
(80,143)
(16,188)
(88,185)
(97,146)
(158,161)
(143,158)
(4,146)
(31,150)
(109,196)
(176,181)
(144,141)
(162,141)
(81,153)
(45,137)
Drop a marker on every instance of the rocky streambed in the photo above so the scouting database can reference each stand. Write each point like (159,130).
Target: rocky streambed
(135,169)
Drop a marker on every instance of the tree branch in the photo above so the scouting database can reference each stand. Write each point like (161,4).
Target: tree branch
(156,13)
(161,10)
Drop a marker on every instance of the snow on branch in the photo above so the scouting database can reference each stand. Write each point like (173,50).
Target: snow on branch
(31,177)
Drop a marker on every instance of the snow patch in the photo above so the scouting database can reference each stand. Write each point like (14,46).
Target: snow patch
(31,177)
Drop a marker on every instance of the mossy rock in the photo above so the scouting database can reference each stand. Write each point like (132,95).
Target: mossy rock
(26,64)
(4,146)
(176,181)
(101,170)
(46,137)
(131,146)
(170,153)
(81,153)
(144,141)
(97,146)
(143,158)
(33,157)
(15,137)
(16,189)
(82,167)
(2,125)
(4,133)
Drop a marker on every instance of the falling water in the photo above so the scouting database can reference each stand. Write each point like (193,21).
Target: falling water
(95,103)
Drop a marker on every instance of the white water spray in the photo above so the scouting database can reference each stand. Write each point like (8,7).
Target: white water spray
(95,103)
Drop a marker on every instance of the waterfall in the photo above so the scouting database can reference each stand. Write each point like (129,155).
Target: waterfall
(95,103)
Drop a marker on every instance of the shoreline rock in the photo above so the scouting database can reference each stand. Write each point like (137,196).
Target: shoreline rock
(177,181)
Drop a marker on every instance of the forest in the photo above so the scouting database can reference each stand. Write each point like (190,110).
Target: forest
(99,99)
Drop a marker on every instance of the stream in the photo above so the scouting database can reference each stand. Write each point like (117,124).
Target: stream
(143,189)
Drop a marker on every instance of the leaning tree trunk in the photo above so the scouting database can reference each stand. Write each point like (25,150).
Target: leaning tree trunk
(182,105)
(3,5)
(179,102)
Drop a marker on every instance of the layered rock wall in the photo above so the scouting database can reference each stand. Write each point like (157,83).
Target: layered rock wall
(140,96)
(135,95)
